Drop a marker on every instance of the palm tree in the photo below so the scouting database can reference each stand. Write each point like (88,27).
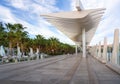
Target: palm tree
(54,44)
(3,35)
(10,35)
(40,42)
(24,39)
(19,33)
(16,34)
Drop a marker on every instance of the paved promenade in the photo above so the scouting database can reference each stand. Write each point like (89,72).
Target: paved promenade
(66,69)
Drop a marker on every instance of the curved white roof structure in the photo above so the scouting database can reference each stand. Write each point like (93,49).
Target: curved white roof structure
(73,23)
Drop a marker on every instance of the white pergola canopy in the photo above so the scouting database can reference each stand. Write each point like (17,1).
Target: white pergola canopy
(71,23)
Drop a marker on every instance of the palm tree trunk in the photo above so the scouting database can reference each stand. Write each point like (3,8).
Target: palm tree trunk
(22,49)
(10,48)
(17,44)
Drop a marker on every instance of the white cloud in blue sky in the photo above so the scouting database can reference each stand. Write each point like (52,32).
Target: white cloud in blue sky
(28,13)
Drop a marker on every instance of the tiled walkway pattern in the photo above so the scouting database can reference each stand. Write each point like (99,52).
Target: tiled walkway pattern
(66,69)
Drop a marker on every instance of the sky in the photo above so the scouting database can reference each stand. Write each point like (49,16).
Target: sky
(27,12)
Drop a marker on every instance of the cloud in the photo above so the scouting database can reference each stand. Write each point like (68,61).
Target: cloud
(17,3)
(5,15)
(34,6)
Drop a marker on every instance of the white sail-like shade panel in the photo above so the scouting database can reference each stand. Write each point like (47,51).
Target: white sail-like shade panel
(71,23)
